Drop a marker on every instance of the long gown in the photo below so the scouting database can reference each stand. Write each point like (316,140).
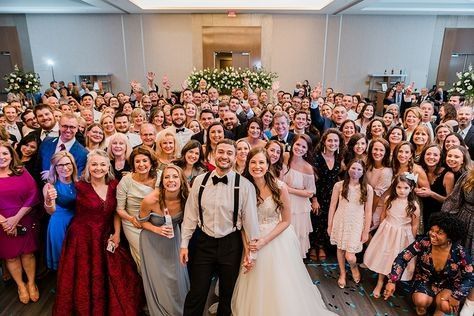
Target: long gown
(279,284)
(300,206)
(380,180)
(165,279)
(348,222)
(17,192)
(130,194)
(327,178)
(393,235)
(59,222)
(91,280)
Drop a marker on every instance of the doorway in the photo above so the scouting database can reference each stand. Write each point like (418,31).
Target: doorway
(223,60)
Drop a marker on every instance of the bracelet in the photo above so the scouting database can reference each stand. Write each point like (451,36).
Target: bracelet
(45,204)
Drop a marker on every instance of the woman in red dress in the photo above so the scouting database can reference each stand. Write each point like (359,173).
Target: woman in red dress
(91,279)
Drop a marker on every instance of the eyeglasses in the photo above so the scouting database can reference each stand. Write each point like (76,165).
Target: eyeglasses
(64,165)
(66,127)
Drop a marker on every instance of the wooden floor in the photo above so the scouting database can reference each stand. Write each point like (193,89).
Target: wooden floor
(353,300)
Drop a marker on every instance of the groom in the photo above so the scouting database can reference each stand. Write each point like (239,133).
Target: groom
(220,204)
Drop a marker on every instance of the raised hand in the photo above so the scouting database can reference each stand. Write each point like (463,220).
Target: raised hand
(150,76)
(51,193)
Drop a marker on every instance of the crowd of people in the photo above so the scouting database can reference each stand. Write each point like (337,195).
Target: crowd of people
(155,193)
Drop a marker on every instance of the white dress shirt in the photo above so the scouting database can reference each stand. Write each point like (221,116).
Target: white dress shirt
(13,130)
(463,132)
(54,132)
(218,208)
(67,145)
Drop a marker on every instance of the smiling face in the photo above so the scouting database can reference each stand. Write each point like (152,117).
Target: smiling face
(267,118)
(192,156)
(420,137)
(395,136)
(454,159)
(95,135)
(258,166)
(432,157)
(274,151)
(171,180)
(242,150)
(68,128)
(378,151)
(254,130)
(5,157)
(411,120)
(377,129)
(108,125)
(98,167)
(281,126)
(332,143)
(348,130)
(225,156)
(167,145)
(216,134)
(451,141)
(29,149)
(360,147)
(118,147)
(300,148)
(441,133)
(404,154)
(142,164)
(45,118)
(64,168)
(368,112)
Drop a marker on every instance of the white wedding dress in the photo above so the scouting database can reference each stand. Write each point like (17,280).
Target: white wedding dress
(279,284)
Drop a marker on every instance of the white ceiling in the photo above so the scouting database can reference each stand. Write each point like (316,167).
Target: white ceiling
(379,7)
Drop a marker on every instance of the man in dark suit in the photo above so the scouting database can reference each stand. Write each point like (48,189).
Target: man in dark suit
(66,141)
(466,128)
(232,127)
(281,124)
(339,114)
(427,111)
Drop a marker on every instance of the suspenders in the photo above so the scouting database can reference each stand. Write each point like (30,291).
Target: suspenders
(236,197)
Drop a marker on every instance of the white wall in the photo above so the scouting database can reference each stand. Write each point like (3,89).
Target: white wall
(337,50)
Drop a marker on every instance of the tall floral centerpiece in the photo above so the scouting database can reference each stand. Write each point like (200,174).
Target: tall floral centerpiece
(228,78)
(465,85)
(22,83)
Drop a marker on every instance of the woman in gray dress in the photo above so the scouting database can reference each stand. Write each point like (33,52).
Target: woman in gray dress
(165,280)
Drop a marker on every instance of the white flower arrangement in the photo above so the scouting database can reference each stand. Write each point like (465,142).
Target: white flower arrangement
(228,78)
(465,84)
(24,82)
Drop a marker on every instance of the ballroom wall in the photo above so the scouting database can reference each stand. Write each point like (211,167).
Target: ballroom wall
(337,50)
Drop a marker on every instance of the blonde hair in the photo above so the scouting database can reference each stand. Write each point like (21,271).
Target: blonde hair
(138,111)
(122,137)
(160,137)
(86,175)
(53,175)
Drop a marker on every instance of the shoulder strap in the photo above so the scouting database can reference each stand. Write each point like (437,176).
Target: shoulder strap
(201,190)
(236,198)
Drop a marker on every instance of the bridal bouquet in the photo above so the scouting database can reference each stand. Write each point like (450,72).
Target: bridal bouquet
(228,78)
(465,84)
(20,81)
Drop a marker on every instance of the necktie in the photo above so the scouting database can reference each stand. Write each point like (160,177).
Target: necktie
(62,147)
(179,130)
(216,180)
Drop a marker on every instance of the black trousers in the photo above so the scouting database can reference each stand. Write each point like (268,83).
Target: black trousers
(221,256)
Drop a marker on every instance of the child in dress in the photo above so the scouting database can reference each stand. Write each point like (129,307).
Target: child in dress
(350,215)
(399,224)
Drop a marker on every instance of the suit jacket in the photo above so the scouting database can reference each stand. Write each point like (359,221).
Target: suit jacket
(289,141)
(48,148)
(320,122)
(469,140)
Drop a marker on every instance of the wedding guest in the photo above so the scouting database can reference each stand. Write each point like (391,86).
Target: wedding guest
(157,118)
(356,148)
(452,140)
(376,129)
(27,150)
(441,131)
(420,139)
(166,149)
(131,190)
(457,161)
(95,138)
(194,126)
(298,174)
(443,273)
(220,218)
(165,280)
(395,136)
(60,202)
(191,161)
(254,128)
(411,119)
(365,117)
(243,148)
(440,178)
(107,123)
(328,164)
(91,279)
(215,133)
(348,129)
(119,151)
(275,152)
(19,234)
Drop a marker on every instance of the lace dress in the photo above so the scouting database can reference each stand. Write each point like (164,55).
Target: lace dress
(348,222)
(279,284)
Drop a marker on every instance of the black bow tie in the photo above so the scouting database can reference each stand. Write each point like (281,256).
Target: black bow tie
(216,180)
(282,141)
(179,130)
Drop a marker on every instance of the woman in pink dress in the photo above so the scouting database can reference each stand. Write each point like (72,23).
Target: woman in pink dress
(97,276)
(19,234)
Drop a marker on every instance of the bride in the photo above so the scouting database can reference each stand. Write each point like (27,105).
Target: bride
(279,284)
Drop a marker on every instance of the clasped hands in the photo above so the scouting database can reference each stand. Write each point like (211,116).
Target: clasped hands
(9,225)
(252,247)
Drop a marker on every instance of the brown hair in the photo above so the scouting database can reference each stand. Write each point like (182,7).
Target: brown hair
(270,179)
(142,150)
(362,182)
(411,207)
(15,166)
(184,187)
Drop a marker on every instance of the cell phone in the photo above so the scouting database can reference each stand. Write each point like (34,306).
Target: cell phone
(111,246)
(21,230)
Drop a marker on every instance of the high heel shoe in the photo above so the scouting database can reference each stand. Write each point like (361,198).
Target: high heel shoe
(34,293)
(341,282)
(356,277)
(23,295)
